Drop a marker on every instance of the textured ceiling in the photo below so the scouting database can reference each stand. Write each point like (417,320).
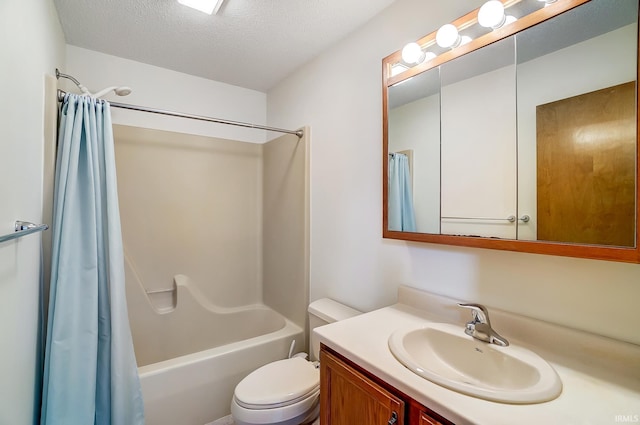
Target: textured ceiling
(250,43)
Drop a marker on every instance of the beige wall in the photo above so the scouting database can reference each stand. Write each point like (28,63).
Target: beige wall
(339,95)
(192,205)
(286,226)
(31,47)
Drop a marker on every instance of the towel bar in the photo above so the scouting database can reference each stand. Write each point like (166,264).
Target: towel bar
(510,219)
(24,228)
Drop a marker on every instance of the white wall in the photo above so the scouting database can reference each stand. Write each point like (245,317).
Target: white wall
(31,46)
(478,118)
(169,90)
(339,95)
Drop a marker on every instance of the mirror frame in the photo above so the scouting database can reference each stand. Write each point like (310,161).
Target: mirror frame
(610,253)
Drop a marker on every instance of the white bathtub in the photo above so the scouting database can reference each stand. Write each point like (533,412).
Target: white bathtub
(191,359)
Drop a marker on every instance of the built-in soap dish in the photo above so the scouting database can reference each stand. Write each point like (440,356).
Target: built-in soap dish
(163,300)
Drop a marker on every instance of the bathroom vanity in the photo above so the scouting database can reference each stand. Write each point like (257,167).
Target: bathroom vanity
(362,382)
(350,395)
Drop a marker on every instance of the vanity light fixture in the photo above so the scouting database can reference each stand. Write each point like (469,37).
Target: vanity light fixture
(207,6)
(412,53)
(491,15)
(448,37)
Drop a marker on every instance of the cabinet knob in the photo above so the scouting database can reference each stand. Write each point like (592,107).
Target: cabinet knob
(394,419)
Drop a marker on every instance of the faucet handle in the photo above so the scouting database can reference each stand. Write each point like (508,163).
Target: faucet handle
(478,311)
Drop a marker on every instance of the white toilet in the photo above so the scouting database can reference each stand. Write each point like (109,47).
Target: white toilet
(287,392)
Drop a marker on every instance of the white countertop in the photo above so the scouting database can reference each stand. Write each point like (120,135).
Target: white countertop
(600,376)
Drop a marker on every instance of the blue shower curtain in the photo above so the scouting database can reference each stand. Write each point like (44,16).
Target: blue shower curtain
(90,373)
(401,215)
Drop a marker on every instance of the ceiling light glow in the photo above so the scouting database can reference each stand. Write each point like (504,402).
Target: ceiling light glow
(207,6)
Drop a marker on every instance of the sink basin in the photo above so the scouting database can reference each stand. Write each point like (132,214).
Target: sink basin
(445,355)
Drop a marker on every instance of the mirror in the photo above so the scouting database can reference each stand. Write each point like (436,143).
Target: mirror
(414,133)
(478,190)
(524,139)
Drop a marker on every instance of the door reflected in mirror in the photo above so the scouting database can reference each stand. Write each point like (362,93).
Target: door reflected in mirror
(529,138)
(576,130)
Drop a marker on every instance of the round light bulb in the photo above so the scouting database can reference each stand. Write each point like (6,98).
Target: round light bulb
(412,53)
(491,14)
(447,36)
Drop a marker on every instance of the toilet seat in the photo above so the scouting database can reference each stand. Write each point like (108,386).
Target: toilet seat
(278,384)
(285,392)
(303,411)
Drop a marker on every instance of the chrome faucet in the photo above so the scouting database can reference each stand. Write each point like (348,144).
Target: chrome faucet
(480,326)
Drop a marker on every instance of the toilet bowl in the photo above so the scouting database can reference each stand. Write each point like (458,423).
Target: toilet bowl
(287,392)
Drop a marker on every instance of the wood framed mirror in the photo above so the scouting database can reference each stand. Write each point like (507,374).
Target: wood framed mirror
(524,137)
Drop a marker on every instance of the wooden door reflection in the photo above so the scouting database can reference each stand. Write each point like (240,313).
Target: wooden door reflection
(586,151)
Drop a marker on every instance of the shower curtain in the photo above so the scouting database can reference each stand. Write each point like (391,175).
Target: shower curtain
(401,215)
(90,373)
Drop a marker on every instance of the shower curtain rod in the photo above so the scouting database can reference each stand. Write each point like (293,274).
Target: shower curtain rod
(298,133)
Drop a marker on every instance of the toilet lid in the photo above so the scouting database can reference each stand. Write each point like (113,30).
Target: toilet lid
(279,383)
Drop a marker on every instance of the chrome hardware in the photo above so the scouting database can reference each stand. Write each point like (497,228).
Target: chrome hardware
(480,326)
(525,218)
(394,419)
(23,228)
(510,219)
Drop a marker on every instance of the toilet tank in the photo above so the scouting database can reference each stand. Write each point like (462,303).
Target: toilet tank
(322,312)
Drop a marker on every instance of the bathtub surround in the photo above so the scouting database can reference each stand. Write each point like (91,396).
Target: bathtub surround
(221,226)
(285,239)
(231,217)
(196,324)
(191,205)
(90,373)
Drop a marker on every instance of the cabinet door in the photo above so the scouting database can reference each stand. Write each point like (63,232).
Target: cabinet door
(349,398)
(425,419)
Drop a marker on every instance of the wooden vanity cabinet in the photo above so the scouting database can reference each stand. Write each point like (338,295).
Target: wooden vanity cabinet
(422,416)
(349,395)
(427,420)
